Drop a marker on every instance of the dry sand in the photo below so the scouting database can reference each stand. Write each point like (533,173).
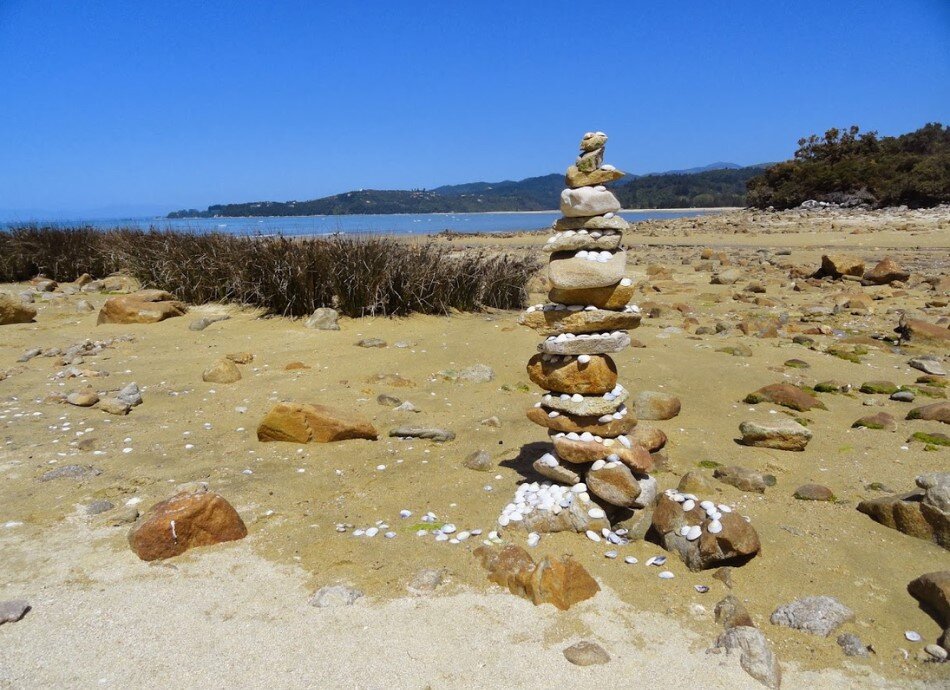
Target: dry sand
(237,614)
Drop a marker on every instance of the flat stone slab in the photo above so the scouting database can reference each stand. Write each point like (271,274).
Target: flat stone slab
(557,321)
(585,269)
(586,405)
(583,239)
(585,343)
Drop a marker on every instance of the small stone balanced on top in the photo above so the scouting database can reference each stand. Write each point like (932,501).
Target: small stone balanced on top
(587,318)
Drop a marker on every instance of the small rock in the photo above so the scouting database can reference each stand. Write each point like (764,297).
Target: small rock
(324,319)
(205,321)
(406,406)
(936,651)
(903,396)
(820,615)
(479,461)
(371,342)
(86,398)
(71,472)
(852,645)
(814,492)
(84,306)
(426,581)
(99,507)
(493,422)
(304,423)
(744,479)
(937,412)
(731,613)
(130,395)
(335,596)
(114,406)
(222,371)
(429,433)
(478,373)
(13,611)
(780,435)
(928,365)
(652,405)
(786,395)
(756,655)
(881,420)
(388,400)
(586,653)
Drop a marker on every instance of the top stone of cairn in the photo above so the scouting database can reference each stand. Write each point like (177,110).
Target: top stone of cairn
(593,141)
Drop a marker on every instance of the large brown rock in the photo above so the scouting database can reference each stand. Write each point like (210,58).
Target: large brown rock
(562,581)
(886,271)
(838,265)
(786,395)
(615,296)
(185,521)
(14,311)
(567,271)
(924,333)
(650,437)
(567,422)
(736,543)
(636,457)
(555,322)
(910,514)
(596,377)
(304,423)
(934,412)
(146,306)
(932,590)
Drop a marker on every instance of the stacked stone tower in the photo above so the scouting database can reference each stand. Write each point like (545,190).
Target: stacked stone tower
(599,472)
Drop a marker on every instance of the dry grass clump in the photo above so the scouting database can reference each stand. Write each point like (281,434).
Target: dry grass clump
(291,277)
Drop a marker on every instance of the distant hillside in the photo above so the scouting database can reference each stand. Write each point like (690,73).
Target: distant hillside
(849,168)
(712,186)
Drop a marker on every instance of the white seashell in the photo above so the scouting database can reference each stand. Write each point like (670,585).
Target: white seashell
(626,282)
(666,575)
(596,235)
(579,488)
(584,359)
(529,310)
(625,442)
(534,539)
(689,504)
(582,254)
(390,535)
(573,436)
(448,529)
(630,560)
(610,554)
(405,513)
(656,560)
(441,537)
(598,464)
(608,168)
(702,589)
(707,505)
(714,527)
(724,508)
(592,535)
(372,532)
(359,532)
(516,516)
(912,635)
(679,498)
(422,532)
(689,497)
(577,397)
(553,413)
(596,513)
(462,536)
(684,530)
(694,533)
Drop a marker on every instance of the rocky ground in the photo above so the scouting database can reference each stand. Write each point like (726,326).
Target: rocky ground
(729,307)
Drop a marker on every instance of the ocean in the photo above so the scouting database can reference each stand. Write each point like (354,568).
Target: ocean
(397,224)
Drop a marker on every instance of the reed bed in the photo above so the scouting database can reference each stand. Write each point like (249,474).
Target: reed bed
(291,277)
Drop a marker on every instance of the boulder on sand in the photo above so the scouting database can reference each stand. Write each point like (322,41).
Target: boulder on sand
(14,311)
(304,423)
(145,306)
(184,521)
(562,581)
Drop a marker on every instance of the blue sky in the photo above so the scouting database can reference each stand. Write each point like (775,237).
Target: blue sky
(134,106)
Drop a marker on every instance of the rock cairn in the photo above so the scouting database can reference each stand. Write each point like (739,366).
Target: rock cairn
(598,473)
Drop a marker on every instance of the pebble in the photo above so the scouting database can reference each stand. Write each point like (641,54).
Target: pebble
(592,535)
(936,651)
(630,560)
(666,575)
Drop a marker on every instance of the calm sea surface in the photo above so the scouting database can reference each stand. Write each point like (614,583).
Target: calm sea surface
(399,224)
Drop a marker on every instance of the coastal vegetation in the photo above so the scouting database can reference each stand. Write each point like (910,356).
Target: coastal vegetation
(291,277)
(849,167)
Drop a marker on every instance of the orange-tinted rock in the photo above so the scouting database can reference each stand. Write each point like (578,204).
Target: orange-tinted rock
(837,265)
(562,581)
(886,271)
(555,322)
(650,437)
(786,395)
(615,296)
(185,521)
(146,306)
(596,377)
(567,422)
(924,333)
(13,311)
(222,371)
(303,423)
(614,483)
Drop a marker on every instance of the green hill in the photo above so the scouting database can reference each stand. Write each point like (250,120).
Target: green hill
(719,187)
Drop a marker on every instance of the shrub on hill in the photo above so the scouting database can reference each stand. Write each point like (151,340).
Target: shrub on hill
(850,168)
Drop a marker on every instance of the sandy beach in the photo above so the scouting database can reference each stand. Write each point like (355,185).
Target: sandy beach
(237,614)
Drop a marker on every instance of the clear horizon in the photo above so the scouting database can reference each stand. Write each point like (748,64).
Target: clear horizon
(111,105)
